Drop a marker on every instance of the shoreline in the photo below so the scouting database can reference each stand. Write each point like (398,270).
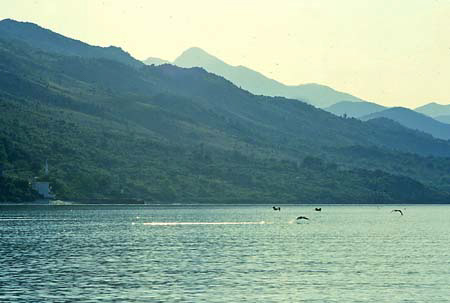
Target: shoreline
(74,203)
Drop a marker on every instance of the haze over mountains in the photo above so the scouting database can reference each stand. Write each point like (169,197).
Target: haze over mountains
(171,134)
(155,61)
(354,109)
(434,110)
(439,112)
(413,120)
(443,119)
(438,126)
(256,83)
(338,103)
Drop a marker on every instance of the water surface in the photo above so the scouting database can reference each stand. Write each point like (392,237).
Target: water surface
(224,254)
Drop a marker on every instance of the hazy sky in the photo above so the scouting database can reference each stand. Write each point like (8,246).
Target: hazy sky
(393,52)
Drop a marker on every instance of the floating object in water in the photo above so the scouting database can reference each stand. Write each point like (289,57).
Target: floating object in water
(397,210)
(318,209)
(276,208)
(302,217)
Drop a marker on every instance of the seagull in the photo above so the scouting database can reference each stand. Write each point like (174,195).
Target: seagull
(318,209)
(276,208)
(397,210)
(301,217)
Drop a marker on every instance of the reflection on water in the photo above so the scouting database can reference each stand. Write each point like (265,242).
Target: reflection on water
(199,223)
(224,254)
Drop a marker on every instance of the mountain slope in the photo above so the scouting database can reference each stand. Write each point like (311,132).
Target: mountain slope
(414,120)
(52,42)
(268,117)
(443,119)
(434,109)
(155,61)
(354,109)
(169,134)
(256,83)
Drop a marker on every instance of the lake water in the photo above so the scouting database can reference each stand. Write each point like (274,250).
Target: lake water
(249,254)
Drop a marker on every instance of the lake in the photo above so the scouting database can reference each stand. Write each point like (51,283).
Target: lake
(345,253)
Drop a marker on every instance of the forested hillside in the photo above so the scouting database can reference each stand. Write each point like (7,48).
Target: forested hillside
(47,40)
(168,134)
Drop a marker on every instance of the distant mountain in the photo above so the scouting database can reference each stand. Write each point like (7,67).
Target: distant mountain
(443,119)
(170,134)
(52,42)
(354,109)
(414,120)
(155,61)
(256,83)
(434,109)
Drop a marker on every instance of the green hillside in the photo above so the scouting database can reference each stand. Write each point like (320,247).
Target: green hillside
(95,158)
(52,42)
(168,134)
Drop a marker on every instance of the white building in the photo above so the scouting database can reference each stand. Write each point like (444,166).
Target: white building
(43,188)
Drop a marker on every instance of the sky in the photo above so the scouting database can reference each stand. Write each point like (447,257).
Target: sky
(392,52)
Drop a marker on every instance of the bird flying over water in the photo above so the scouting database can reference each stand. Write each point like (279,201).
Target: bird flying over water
(302,217)
(397,210)
(276,208)
(318,209)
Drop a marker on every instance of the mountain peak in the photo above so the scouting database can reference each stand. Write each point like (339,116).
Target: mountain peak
(256,83)
(434,109)
(195,56)
(6,20)
(12,21)
(24,27)
(196,51)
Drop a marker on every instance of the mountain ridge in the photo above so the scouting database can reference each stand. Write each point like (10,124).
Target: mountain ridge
(174,134)
(155,61)
(354,109)
(434,109)
(50,41)
(257,83)
(443,118)
(414,120)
